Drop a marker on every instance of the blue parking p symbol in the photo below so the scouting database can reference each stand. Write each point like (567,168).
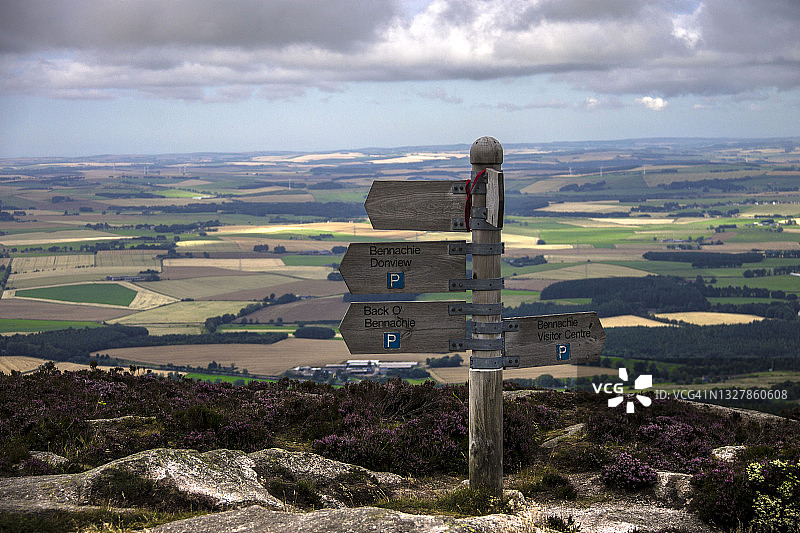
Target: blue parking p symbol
(562,352)
(391,341)
(395,280)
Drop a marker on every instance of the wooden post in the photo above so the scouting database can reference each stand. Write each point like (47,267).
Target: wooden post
(486,386)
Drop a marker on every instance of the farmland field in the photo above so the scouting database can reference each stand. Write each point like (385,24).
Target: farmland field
(265,359)
(93,293)
(701,318)
(181,313)
(18,325)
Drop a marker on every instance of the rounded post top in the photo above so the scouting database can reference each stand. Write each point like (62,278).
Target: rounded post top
(486,151)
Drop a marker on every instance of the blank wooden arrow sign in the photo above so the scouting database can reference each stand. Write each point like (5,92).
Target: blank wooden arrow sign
(389,267)
(555,339)
(417,205)
(401,327)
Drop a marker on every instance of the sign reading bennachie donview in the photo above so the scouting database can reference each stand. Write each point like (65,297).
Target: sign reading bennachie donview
(417,205)
(403,267)
(555,339)
(400,327)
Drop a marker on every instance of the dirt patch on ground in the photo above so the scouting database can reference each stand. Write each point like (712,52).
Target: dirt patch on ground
(460,374)
(187,272)
(332,308)
(38,310)
(267,359)
(527,284)
(303,288)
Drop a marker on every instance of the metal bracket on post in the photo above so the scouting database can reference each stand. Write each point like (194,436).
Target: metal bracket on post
(462,308)
(476,344)
(476,284)
(471,248)
(495,327)
(480,224)
(493,363)
(461,187)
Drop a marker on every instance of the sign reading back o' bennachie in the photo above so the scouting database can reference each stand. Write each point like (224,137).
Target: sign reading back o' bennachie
(556,339)
(388,267)
(400,327)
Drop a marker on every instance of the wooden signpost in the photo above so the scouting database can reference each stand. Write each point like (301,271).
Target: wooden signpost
(371,327)
(406,327)
(389,267)
(554,339)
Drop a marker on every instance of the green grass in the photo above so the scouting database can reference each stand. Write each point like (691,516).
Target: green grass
(8,325)
(213,378)
(460,503)
(97,293)
(311,260)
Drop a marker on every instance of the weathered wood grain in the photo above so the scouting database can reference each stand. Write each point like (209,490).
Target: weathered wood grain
(414,205)
(423,327)
(537,341)
(425,267)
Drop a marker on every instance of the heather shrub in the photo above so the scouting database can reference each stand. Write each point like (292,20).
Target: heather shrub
(722,496)
(629,473)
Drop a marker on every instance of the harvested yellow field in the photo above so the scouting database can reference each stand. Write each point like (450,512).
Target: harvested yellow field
(256,264)
(207,245)
(269,359)
(56,237)
(460,374)
(141,259)
(624,321)
(147,299)
(585,207)
(19,363)
(301,197)
(641,221)
(29,364)
(548,185)
(210,286)
(702,318)
(587,270)
(181,313)
(24,265)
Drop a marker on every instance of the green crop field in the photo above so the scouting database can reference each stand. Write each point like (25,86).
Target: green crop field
(214,378)
(95,293)
(16,325)
(311,260)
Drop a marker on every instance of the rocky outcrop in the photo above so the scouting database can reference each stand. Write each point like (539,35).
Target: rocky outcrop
(217,479)
(568,432)
(727,454)
(673,488)
(363,519)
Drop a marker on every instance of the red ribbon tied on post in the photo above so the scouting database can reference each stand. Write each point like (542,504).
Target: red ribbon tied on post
(470,186)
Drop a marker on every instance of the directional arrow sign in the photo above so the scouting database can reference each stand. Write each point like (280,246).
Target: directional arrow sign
(400,327)
(555,339)
(387,267)
(417,205)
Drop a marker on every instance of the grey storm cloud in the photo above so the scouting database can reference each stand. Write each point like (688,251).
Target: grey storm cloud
(229,49)
(28,25)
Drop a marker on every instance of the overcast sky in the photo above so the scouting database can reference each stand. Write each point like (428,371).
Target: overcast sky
(82,77)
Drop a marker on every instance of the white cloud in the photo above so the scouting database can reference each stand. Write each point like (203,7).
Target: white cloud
(652,103)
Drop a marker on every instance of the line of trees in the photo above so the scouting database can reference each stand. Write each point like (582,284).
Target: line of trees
(706,259)
(76,345)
